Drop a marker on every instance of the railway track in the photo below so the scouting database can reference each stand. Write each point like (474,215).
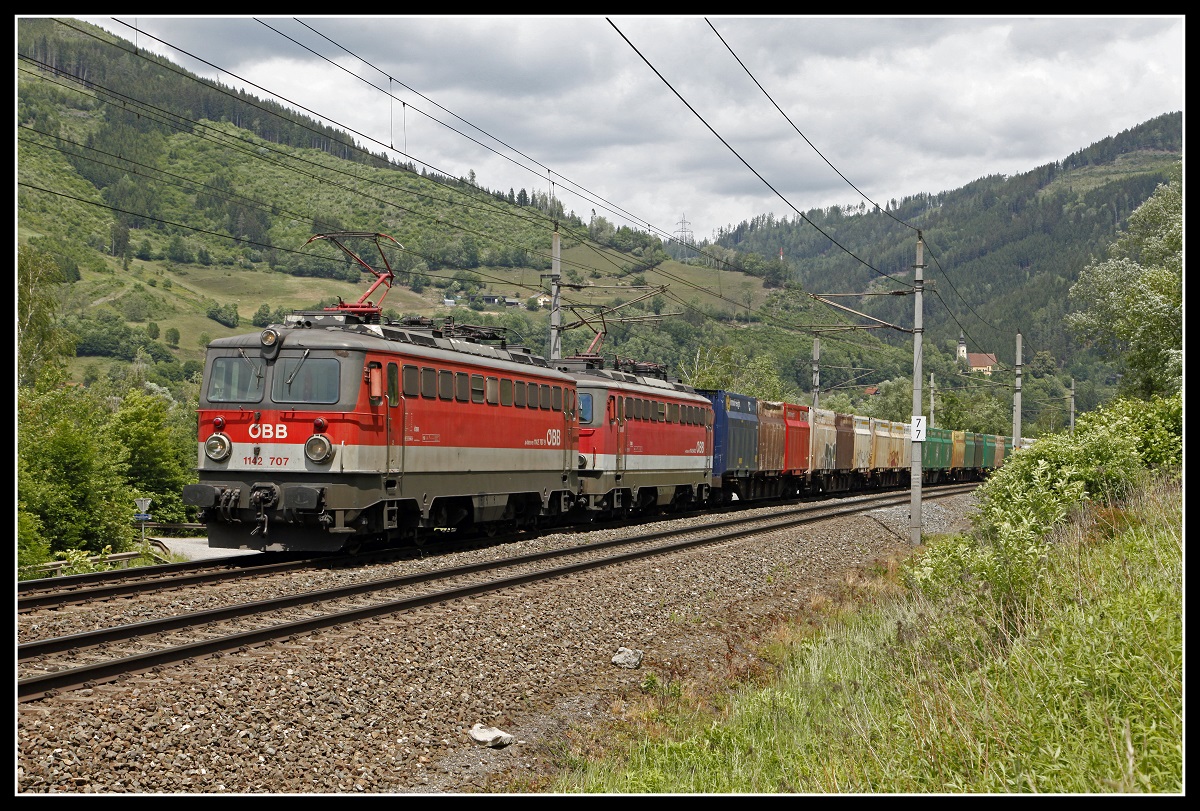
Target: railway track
(50,666)
(55,592)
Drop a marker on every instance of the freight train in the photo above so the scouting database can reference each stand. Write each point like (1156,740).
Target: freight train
(339,429)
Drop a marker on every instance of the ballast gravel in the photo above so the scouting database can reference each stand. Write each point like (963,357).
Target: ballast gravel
(399,704)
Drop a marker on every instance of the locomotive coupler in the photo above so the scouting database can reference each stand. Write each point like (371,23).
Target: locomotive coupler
(262,498)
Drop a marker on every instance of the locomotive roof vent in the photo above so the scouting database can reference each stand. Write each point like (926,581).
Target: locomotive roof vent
(393,334)
(319,318)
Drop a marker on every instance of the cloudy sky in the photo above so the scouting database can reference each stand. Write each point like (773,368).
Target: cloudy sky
(700,122)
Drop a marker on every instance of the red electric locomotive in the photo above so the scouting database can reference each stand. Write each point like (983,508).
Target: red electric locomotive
(645,442)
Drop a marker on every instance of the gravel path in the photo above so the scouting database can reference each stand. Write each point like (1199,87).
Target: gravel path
(388,705)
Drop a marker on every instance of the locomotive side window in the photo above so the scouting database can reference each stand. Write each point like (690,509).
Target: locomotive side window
(476,388)
(506,392)
(544,397)
(428,382)
(235,380)
(672,412)
(556,398)
(412,381)
(305,379)
(446,385)
(533,395)
(393,385)
(375,382)
(462,387)
(493,391)
(519,394)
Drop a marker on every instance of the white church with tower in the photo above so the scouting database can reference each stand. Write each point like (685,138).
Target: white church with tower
(983,362)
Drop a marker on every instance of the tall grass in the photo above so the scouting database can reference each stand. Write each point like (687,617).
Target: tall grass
(1066,679)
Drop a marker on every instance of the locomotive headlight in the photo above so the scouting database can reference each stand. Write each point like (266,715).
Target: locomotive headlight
(271,341)
(218,447)
(318,448)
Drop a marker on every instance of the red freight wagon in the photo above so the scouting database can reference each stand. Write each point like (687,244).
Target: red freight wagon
(797,458)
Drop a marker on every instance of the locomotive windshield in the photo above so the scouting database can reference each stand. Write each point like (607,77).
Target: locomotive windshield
(236,380)
(304,379)
(585,408)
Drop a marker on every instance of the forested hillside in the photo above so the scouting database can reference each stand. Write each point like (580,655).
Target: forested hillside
(1002,251)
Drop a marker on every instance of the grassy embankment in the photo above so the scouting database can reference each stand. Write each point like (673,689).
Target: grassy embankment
(1041,653)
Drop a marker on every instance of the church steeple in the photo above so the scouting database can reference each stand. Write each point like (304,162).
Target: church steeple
(962,346)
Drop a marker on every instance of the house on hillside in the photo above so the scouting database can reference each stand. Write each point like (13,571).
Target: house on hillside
(983,362)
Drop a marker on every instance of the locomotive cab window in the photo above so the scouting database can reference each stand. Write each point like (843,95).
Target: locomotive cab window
(585,408)
(235,380)
(305,379)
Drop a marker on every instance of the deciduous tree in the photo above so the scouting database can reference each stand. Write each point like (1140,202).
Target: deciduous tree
(1131,304)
